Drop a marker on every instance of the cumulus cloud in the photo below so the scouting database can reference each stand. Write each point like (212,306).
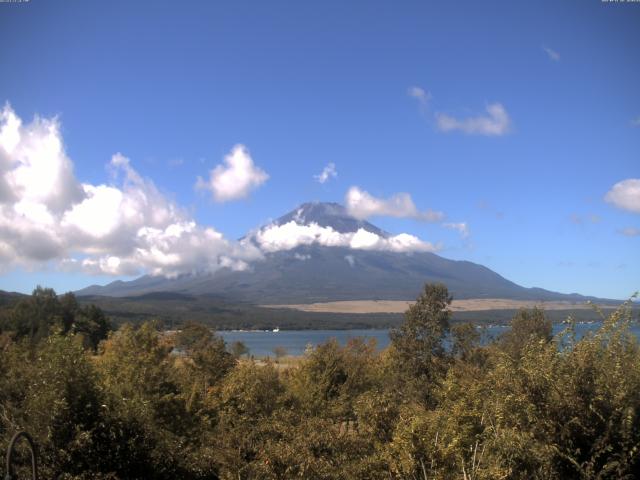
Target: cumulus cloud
(420,94)
(290,235)
(123,228)
(552,54)
(462,228)
(625,195)
(495,123)
(630,232)
(234,179)
(33,164)
(327,173)
(363,205)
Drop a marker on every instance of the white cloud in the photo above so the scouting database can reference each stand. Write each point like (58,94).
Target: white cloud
(302,257)
(234,264)
(362,205)
(552,54)
(461,227)
(327,173)
(99,213)
(236,178)
(33,163)
(420,94)
(630,232)
(274,238)
(350,260)
(127,227)
(625,195)
(495,123)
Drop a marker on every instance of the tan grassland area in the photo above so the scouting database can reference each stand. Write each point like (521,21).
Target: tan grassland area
(399,306)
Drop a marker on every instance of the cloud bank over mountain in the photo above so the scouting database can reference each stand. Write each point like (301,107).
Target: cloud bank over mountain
(274,238)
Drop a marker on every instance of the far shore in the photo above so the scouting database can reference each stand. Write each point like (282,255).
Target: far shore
(400,306)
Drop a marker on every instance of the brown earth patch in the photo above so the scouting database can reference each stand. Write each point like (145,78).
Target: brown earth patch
(399,306)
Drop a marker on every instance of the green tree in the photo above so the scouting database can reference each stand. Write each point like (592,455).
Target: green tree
(91,322)
(191,335)
(250,397)
(141,383)
(526,326)
(34,316)
(70,307)
(329,380)
(417,345)
(42,313)
(238,349)
(465,339)
(206,364)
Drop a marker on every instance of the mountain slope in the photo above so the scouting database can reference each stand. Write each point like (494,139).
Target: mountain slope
(314,273)
(331,215)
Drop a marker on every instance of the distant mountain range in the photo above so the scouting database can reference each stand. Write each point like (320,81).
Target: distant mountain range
(316,273)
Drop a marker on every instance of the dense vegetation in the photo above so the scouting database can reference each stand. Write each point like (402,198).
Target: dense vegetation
(527,406)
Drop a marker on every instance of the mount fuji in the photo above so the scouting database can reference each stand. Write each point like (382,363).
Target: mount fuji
(322,271)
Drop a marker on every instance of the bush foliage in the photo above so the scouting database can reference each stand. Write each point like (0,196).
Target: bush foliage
(137,403)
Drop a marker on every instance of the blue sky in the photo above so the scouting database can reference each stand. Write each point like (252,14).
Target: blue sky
(395,95)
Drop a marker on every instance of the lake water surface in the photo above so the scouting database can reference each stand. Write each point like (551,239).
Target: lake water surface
(262,343)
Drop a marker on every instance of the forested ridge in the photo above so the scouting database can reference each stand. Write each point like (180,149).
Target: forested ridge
(120,404)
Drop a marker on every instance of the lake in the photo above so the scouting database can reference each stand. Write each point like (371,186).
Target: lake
(262,343)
